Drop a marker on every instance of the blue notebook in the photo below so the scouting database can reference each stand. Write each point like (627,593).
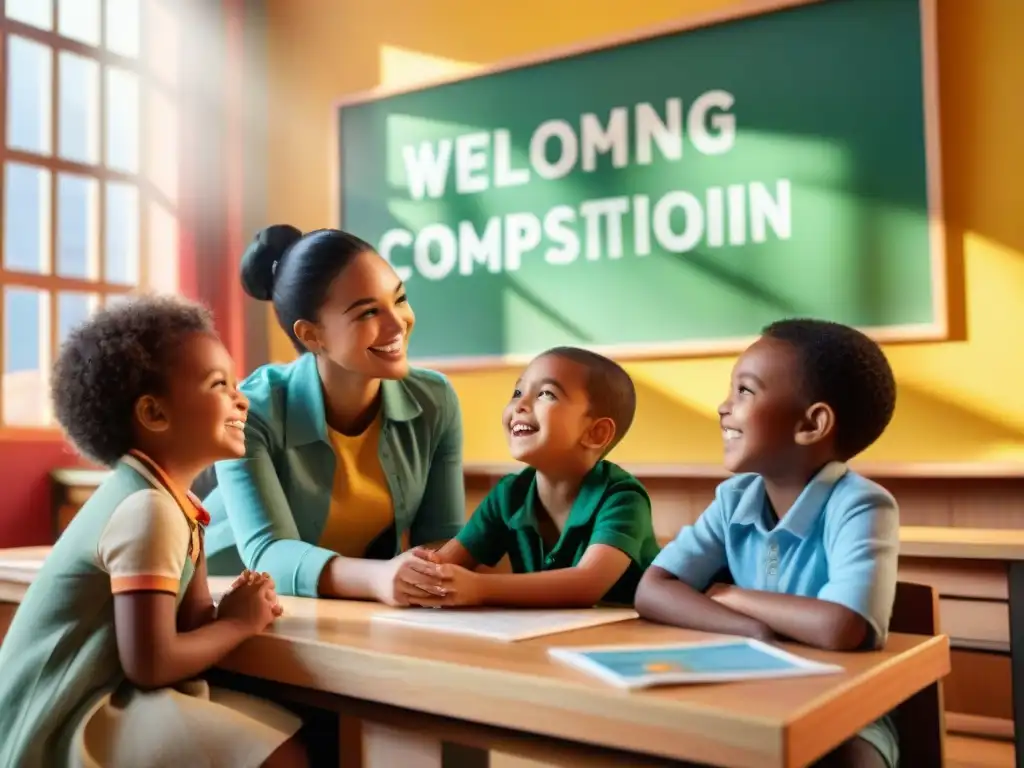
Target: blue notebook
(643,666)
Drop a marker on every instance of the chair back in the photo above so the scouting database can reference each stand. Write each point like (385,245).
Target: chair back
(920,721)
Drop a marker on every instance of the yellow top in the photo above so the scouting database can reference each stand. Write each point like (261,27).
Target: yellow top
(361,506)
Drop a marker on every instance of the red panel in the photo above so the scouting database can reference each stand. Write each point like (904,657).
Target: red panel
(25,465)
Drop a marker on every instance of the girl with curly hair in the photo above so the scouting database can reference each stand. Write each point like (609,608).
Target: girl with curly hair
(101,660)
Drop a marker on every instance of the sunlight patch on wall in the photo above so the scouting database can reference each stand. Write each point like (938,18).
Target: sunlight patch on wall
(979,375)
(400,66)
(700,384)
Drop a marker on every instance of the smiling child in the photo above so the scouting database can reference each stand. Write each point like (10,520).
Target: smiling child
(811,545)
(101,663)
(577,528)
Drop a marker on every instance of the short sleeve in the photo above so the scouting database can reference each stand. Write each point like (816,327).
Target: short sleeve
(144,544)
(698,551)
(624,522)
(485,533)
(863,552)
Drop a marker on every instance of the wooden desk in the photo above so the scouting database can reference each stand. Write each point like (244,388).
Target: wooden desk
(1003,549)
(962,543)
(513,693)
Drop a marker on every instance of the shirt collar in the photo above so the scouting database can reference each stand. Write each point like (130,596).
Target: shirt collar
(583,508)
(306,419)
(158,478)
(399,403)
(806,510)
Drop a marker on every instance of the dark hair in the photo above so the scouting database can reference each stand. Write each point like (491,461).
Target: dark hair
(848,371)
(295,270)
(110,361)
(609,388)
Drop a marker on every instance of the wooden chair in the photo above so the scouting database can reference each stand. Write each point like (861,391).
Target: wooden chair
(919,720)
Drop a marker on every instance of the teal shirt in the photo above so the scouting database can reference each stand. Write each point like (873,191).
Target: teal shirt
(60,653)
(269,508)
(612,508)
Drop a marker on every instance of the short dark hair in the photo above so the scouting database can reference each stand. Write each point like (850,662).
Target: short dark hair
(295,271)
(111,360)
(845,369)
(609,388)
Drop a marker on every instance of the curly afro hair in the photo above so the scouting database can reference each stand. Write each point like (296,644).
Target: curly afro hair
(846,370)
(110,361)
(609,388)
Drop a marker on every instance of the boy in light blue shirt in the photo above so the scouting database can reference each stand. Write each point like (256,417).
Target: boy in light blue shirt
(811,545)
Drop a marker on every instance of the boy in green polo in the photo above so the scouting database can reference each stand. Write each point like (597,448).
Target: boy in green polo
(577,529)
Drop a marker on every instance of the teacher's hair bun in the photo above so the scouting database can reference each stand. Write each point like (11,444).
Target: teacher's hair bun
(261,261)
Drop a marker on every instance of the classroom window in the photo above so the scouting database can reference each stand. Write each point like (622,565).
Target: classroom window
(87,197)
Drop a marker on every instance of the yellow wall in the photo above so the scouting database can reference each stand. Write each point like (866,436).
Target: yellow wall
(958,401)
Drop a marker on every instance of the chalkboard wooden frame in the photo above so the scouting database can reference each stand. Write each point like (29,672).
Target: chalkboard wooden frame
(936,330)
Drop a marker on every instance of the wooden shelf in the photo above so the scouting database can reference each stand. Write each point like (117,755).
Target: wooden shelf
(911,470)
(962,543)
(77,476)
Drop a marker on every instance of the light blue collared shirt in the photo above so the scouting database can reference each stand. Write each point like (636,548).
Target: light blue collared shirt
(839,542)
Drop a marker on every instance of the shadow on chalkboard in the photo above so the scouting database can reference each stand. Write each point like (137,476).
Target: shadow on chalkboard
(751,288)
(470,208)
(580,336)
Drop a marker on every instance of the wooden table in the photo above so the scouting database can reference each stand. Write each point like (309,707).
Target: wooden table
(983,544)
(419,688)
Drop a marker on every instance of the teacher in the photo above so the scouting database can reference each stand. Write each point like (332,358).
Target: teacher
(348,449)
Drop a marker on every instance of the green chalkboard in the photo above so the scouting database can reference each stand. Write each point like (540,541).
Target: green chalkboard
(667,194)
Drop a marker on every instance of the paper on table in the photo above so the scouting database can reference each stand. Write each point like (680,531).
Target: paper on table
(643,666)
(507,625)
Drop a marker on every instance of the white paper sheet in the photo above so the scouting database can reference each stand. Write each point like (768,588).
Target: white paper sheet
(507,625)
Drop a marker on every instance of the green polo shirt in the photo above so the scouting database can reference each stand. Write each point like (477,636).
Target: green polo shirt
(612,508)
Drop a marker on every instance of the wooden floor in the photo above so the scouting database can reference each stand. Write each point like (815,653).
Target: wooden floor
(965,752)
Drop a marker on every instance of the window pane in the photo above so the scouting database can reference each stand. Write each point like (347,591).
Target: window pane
(77,221)
(38,13)
(113,299)
(26,357)
(73,309)
(123,27)
(161,26)
(27,218)
(162,254)
(79,20)
(29,86)
(122,220)
(162,146)
(78,121)
(122,120)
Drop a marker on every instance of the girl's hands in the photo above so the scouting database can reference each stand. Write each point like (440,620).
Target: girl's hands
(251,601)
